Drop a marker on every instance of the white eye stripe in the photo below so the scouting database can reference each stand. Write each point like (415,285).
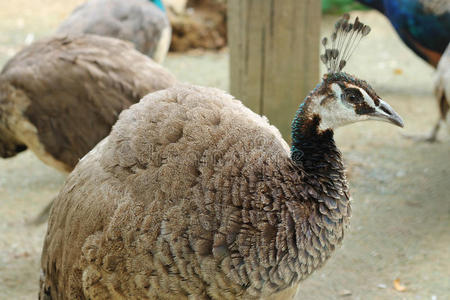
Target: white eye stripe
(337,90)
(367,97)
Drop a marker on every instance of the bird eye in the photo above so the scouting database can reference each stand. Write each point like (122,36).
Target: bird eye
(353,95)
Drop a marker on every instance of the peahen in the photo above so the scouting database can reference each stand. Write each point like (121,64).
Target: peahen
(194,196)
(60,96)
(423,25)
(142,22)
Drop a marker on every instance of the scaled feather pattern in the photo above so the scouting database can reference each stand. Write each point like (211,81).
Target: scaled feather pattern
(194,196)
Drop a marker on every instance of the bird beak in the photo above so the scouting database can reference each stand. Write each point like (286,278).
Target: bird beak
(384,112)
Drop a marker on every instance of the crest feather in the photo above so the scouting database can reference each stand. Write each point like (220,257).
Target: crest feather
(344,40)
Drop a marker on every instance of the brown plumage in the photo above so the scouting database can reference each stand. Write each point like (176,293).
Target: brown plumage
(194,196)
(168,206)
(60,96)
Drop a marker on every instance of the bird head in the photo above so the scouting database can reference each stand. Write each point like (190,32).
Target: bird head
(341,98)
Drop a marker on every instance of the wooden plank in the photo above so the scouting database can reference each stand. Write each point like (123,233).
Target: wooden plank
(274,55)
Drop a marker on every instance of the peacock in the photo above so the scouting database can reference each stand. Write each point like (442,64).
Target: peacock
(423,25)
(194,196)
(60,96)
(142,22)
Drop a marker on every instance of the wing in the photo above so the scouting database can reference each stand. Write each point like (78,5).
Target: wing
(77,87)
(150,201)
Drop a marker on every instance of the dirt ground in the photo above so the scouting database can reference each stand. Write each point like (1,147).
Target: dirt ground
(400,227)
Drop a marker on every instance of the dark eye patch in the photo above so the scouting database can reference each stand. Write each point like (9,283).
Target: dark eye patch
(353,95)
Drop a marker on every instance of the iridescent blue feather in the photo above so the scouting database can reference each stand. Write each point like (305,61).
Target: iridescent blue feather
(159,3)
(423,25)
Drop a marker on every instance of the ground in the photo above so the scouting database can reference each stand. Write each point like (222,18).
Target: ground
(400,227)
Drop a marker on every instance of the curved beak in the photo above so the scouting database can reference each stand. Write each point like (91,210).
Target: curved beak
(384,112)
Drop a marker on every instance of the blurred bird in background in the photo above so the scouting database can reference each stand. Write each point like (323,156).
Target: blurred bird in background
(423,25)
(60,96)
(142,22)
(442,93)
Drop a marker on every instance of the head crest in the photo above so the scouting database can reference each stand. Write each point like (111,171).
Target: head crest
(344,41)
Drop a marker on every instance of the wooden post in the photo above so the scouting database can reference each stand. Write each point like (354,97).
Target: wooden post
(274,55)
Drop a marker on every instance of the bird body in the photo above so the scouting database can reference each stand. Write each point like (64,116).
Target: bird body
(141,22)
(201,186)
(60,96)
(194,196)
(423,25)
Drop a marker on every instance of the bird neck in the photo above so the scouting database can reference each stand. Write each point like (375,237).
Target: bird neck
(307,201)
(312,147)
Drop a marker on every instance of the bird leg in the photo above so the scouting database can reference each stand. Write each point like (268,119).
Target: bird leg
(444,109)
(429,138)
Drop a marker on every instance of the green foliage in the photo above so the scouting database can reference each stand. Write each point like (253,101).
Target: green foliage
(340,6)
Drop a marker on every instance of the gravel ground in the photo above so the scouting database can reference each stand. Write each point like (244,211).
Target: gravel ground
(400,227)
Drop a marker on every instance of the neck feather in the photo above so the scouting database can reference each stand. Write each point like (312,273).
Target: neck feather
(311,147)
(308,203)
